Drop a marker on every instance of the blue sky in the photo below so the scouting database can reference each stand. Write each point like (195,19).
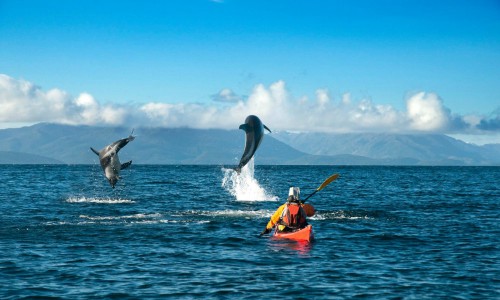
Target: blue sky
(431,66)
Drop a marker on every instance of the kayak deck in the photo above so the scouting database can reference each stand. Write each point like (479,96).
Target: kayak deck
(304,234)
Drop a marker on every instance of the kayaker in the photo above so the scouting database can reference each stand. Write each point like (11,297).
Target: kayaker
(289,216)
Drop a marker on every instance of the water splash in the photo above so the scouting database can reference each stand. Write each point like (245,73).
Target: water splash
(243,186)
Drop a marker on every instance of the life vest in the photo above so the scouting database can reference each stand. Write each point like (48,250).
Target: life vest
(293,216)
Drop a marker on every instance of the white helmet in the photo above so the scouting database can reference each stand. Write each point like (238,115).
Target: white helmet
(294,192)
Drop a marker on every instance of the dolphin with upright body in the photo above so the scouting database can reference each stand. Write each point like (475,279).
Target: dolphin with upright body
(109,160)
(254,130)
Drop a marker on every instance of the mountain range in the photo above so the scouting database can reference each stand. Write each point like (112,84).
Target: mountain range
(46,143)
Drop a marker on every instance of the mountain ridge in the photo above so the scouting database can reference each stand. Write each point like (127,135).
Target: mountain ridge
(426,148)
(69,144)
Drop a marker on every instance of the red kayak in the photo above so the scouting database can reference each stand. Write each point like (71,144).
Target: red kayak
(304,234)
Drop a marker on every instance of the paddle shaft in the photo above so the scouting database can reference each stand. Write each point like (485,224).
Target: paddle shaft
(310,195)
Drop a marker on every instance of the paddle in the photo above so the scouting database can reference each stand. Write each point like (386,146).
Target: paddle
(322,186)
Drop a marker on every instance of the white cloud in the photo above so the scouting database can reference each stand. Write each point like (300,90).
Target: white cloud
(323,97)
(426,112)
(226,96)
(24,102)
(346,98)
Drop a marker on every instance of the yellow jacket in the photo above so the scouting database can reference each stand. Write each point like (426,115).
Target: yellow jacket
(275,217)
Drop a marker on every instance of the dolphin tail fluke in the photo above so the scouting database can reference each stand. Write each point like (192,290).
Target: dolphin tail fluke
(125,165)
(131,137)
(95,151)
(265,127)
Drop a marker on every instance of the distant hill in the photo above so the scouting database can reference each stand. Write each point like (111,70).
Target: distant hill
(54,143)
(9,157)
(422,149)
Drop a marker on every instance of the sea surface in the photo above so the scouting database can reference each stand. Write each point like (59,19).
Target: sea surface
(184,232)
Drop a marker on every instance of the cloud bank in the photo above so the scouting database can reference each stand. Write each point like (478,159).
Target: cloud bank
(24,102)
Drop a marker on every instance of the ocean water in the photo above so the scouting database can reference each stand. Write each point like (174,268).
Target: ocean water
(186,232)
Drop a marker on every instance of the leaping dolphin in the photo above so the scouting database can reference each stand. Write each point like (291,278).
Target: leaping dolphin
(254,133)
(110,162)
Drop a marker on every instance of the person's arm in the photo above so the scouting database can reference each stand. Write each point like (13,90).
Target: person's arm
(275,217)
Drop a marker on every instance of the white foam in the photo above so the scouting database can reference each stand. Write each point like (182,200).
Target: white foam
(135,216)
(338,215)
(236,213)
(98,200)
(243,186)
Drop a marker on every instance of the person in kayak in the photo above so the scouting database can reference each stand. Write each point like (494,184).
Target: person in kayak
(290,216)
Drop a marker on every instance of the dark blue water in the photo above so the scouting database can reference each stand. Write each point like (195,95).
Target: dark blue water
(176,231)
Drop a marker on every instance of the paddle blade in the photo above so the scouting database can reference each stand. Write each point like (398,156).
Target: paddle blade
(327,182)
(322,186)
(309,209)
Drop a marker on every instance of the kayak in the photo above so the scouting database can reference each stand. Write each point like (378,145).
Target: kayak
(304,234)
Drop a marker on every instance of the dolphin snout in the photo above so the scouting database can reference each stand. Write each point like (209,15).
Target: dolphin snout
(113,181)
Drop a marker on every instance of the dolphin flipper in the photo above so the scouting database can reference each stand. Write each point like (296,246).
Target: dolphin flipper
(245,127)
(265,127)
(125,165)
(95,151)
